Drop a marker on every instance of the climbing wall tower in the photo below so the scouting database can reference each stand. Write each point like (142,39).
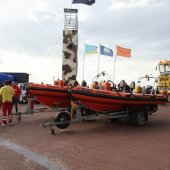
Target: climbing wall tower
(70,46)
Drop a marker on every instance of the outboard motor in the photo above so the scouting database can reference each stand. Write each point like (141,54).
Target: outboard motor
(132,86)
(121,85)
(148,89)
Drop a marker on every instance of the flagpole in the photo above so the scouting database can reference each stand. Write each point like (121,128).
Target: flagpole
(84,60)
(98,58)
(114,66)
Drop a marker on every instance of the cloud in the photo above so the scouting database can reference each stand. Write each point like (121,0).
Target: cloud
(123,4)
(33,29)
(140,27)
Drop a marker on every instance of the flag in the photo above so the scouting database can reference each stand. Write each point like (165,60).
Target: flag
(90,49)
(124,52)
(87,2)
(106,51)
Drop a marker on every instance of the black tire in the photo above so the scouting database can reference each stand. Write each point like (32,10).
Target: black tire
(52,131)
(141,118)
(62,117)
(114,119)
(19,118)
(169,98)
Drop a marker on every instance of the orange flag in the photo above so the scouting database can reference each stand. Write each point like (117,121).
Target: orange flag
(124,52)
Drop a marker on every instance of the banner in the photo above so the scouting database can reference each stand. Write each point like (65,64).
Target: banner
(87,2)
(90,49)
(106,51)
(124,52)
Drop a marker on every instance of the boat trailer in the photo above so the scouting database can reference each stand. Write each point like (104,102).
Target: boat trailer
(30,109)
(63,118)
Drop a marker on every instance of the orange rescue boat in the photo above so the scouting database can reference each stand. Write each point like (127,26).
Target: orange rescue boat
(109,101)
(53,96)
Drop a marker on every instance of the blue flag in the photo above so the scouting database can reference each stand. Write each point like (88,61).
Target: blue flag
(106,51)
(87,2)
(90,49)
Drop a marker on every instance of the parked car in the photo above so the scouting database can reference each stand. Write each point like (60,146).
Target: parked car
(23,96)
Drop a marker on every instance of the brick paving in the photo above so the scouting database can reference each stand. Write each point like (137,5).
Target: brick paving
(91,145)
(12,160)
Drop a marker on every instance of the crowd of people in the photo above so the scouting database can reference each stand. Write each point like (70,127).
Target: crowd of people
(9,97)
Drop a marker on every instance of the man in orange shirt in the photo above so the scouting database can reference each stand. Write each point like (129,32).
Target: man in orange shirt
(6,93)
(17,93)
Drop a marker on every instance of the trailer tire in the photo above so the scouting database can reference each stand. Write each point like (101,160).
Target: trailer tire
(114,119)
(62,117)
(141,118)
(19,118)
(169,98)
(52,131)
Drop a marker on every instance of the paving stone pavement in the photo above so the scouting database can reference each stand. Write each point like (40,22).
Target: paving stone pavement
(90,146)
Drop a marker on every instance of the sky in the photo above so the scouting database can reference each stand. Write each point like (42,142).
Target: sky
(31,37)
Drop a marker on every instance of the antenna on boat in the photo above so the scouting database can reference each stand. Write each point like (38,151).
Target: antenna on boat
(102,74)
(115,56)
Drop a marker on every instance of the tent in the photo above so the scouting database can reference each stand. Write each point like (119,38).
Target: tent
(4,77)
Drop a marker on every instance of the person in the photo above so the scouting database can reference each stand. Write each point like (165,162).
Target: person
(74,106)
(17,93)
(76,83)
(83,83)
(95,85)
(6,93)
(126,88)
(1,85)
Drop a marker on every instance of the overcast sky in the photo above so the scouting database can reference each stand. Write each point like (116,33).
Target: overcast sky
(31,36)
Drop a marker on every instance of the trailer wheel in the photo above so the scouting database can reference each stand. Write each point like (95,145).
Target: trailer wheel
(141,118)
(62,117)
(114,119)
(19,118)
(169,98)
(52,131)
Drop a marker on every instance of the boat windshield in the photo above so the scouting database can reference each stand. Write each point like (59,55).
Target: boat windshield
(147,81)
(167,68)
(164,68)
(161,68)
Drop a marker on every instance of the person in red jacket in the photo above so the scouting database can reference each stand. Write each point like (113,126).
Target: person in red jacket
(17,93)
(1,85)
